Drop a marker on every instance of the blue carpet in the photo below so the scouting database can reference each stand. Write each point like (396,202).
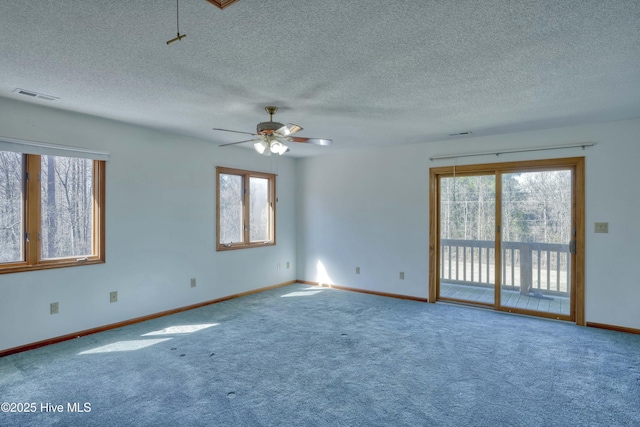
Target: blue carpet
(307,356)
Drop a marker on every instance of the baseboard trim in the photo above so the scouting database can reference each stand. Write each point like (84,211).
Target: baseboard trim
(613,328)
(91,331)
(364,291)
(96,330)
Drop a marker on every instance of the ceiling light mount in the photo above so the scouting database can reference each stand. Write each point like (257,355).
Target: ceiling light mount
(271,110)
(268,128)
(221,4)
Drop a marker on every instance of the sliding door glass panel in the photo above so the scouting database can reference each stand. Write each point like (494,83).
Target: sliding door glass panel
(536,235)
(467,238)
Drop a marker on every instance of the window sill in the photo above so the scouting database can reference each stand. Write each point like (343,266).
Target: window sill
(47,265)
(222,248)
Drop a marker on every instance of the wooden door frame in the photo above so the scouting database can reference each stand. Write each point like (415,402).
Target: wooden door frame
(576,164)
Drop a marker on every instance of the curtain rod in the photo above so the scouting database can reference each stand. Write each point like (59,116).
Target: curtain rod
(582,145)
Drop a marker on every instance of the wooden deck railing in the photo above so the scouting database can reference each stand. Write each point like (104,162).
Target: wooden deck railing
(526,266)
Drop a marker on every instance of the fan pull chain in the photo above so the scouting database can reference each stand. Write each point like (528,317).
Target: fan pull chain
(178,36)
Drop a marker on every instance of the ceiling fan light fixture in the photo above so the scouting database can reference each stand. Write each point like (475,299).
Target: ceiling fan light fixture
(278,147)
(273,137)
(262,147)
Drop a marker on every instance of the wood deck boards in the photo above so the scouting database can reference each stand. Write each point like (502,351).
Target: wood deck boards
(559,305)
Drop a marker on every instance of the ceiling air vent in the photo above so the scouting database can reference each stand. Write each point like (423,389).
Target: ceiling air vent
(222,3)
(37,95)
(461,133)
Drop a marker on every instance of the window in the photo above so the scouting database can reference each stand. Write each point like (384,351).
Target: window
(51,211)
(246,209)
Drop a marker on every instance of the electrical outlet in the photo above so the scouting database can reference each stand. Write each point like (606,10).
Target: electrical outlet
(402,275)
(601,227)
(53,308)
(278,266)
(288,265)
(113,296)
(357,270)
(193,282)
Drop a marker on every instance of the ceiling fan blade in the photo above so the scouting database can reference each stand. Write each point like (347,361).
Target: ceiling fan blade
(289,129)
(317,141)
(239,142)
(235,131)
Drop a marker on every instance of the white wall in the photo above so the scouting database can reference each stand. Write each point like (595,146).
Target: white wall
(370,209)
(160,229)
(367,209)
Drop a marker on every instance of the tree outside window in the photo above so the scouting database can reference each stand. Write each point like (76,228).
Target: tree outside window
(51,211)
(245,209)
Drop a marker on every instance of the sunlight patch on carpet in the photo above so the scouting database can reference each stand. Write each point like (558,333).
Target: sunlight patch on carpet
(300,294)
(180,329)
(124,346)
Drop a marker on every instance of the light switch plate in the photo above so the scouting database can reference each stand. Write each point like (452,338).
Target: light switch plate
(601,227)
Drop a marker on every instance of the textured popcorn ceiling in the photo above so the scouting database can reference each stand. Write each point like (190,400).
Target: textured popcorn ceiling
(366,73)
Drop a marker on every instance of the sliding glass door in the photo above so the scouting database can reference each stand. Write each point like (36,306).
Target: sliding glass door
(467,259)
(508,236)
(536,239)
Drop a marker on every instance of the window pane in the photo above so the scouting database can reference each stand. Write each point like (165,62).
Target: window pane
(230,208)
(536,231)
(11,215)
(259,209)
(67,207)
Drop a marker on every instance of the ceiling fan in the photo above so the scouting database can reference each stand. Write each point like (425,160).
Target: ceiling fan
(272,137)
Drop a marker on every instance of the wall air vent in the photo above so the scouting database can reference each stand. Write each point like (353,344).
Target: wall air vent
(37,95)
(222,3)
